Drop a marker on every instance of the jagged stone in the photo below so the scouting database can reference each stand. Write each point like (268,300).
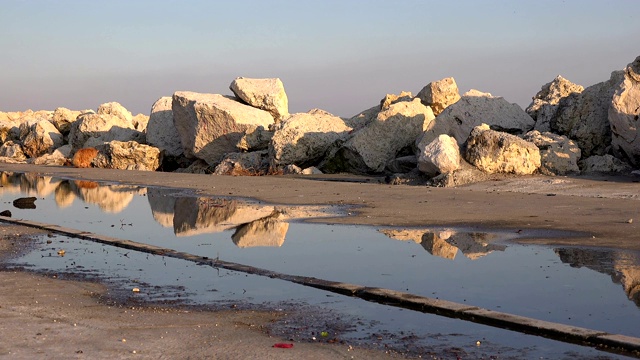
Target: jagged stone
(391,99)
(498,152)
(41,138)
(558,154)
(210,125)
(115,109)
(304,138)
(475,108)
(265,94)
(603,164)
(440,94)
(624,115)
(252,163)
(96,129)
(161,131)
(12,152)
(128,155)
(58,157)
(546,102)
(369,149)
(63,118)
(442,155)
(255,139)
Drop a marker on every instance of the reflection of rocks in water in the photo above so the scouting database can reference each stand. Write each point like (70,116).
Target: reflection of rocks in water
(64,195)
(111,198)
(445,244)
(162,204)
(28,184)
(622,266)
(268,231)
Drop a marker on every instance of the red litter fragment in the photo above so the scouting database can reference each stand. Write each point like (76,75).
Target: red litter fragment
(283,345)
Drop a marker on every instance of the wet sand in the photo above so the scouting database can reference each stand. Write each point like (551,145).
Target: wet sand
(70,317)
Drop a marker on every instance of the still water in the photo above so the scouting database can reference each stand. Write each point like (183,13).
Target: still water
(586,287)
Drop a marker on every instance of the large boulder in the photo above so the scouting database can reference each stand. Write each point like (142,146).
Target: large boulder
(252,163)
(440,94)
(210,125)
(58,157)
(440,156)
(603,164)
(558,154)
(41,138)
(546,102)
(62,119)
(265,94)
(114,108)
(128,155)
(11,150)
(369,149)
(254,139)
(498,152)
(584,117)
(95,129)
(161,131)
(304,138)
(624,115)
(391,99)
(473,109)
(140,122)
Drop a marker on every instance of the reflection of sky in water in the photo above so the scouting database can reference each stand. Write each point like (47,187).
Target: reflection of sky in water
(571,285)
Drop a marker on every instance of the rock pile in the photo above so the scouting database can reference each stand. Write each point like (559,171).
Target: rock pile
(437,134)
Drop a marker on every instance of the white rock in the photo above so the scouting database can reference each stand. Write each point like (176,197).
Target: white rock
(440,94)
(255,138)
(304,138)
(96,129)
(546,102)
(265,94)
(210,125)
(603,164)
(128,155)
(624,115)
(391,99)
(440,156)
(372,147)
(498,152)
(584,117)
(42,138)
(62,119)
(161,131)
(558,154)
(475,108)
(140,122)
(58,157)
(114,108)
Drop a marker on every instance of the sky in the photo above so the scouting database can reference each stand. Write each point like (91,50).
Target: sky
(342,56)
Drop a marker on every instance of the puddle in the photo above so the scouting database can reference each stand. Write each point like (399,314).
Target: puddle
(592,288)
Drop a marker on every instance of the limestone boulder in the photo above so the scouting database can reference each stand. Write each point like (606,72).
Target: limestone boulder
(11,150)
(128,155)
(440,156)
(115,109)
(265,94)
(41,138)
(140,122)
(58,157)
(7,131)
(304,138)
(546,102)
(498,152)
(624,115)
(96,129)
(369,149)
(584,117)
(63,118)
(161,131)
(252,163)
(440,94)
(603,164)
(475,108)
(391,99)
(255,138)
(558,154)
(210,125)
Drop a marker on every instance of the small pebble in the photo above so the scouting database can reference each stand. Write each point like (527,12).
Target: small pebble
(629,221)
(135,290)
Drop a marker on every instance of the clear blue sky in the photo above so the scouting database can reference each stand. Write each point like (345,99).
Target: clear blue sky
(342,56)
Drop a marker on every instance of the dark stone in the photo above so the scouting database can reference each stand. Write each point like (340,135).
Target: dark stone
(6,213)
(25,203)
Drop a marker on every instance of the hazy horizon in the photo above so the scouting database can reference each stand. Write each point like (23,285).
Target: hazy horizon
(340,56)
